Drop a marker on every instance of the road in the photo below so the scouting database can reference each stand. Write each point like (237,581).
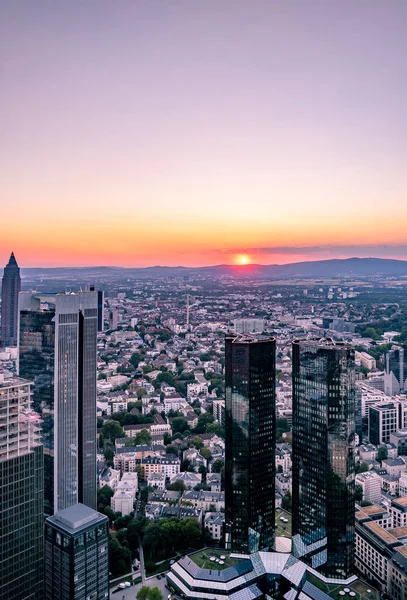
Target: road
(142,567)
(131,592)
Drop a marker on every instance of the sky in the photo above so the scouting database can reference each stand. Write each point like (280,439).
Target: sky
(197,132)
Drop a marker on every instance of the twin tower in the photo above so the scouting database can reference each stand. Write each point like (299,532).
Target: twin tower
(323,440)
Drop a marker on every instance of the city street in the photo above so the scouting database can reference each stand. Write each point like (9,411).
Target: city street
(130,593)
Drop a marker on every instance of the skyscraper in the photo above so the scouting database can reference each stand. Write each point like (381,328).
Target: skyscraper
(57,350)
(323,455)
(395,372)
(76,553)
(21,494)
(10,288)
(250,443)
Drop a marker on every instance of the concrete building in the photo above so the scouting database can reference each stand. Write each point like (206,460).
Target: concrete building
(383,421)
(76,555)
(214,522)
(21,494)
(371,484)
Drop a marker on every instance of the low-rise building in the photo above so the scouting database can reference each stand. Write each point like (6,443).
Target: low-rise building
(206,501)
(214,522)
(156,481)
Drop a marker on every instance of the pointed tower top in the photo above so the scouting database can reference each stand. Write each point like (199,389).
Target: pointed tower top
(12,261)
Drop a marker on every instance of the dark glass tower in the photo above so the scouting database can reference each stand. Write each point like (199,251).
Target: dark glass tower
(323,456)
(250,443)
(10,288)
(21,494)
(76,555)
(57,350)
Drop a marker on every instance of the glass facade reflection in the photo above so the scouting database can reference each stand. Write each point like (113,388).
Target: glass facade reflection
(250,443)
(57,350)
(323,455)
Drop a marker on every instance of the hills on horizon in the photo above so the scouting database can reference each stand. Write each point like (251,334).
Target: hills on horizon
(352,267)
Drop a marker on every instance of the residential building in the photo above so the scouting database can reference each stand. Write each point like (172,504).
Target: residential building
(250,442)
(371,484)
(76,555)
(398,511)
(205,500)
(156,481)
(214,522)
(21,494)
(240,326)
(10,288)
(190,480)
(219,411)
(57,350)
(323,455)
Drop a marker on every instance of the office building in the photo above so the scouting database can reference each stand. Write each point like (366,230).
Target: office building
(76,555)
(57,350)
(383,421)
(21,494)
(250,443)
(323,455)
(395,372)
(10,288)
(371,484)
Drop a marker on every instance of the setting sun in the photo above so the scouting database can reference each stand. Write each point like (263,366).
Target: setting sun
(243,259)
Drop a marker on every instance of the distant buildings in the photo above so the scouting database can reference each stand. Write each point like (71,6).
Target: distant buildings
(76,555)
(57,350)
(250,443)
(10,288)
(395,374)
(21,494)
(323,456)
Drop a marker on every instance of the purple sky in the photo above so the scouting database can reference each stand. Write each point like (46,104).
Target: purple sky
(137,132)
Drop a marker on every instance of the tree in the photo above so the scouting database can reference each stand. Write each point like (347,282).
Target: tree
(203,420)
(143,593)
(362,467)
(358,493)
(143,437)
(179,425)
(206,453)
(177,486)
(112,430)
(165,376)
(382,453)
(286,502)
(103,496)
(171,450)
(217,465)
(135,359)
(108,454)
(197,442)
(214,428)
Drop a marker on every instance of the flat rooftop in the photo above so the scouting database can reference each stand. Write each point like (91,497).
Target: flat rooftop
(203,559)
(76,517)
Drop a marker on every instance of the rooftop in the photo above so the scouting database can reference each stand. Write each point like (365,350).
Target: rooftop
(76,517)
(203,559)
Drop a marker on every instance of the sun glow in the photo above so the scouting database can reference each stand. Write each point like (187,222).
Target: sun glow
(243,259)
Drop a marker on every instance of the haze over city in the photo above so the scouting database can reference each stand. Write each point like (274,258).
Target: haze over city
(198,133)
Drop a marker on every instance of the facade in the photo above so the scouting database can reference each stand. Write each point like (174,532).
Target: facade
(382,422)
(395,371)
(10,288)
(57,350)
(76,555)
(371,484)
(21,494)
(323,459)
(250,443)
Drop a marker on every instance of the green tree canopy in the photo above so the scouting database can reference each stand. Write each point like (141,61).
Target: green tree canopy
(112,430)
(143,437)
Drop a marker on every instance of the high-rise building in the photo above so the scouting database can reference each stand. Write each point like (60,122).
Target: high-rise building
(323,456)
(250,443)
(395,373)
(57,350)
(21,494)
(76,555)
(10,288)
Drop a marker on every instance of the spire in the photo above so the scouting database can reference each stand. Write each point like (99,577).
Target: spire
(12,261)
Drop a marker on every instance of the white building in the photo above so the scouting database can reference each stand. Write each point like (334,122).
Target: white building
(371,484)
(156,481)
(123,499)
(214,522)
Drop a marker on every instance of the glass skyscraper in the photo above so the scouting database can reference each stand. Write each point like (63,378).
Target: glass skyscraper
(10,288)
(76,555)
(323,455)
(57,350)
(250,443)
(21,494)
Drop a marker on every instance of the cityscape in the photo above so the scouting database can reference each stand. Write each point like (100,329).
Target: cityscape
(203,310)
